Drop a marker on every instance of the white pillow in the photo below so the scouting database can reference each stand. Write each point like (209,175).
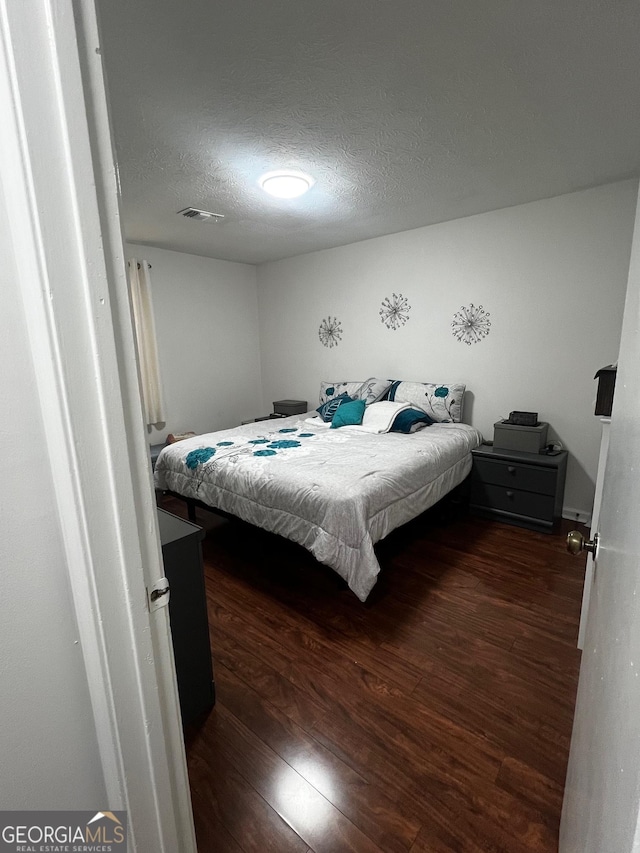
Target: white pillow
(443,402)
(379,417)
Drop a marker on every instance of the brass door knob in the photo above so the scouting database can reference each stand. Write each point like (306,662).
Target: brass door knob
(576,543)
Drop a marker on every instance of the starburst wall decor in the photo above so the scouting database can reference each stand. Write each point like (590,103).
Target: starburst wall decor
(330,332)
(394,311)
(471,324)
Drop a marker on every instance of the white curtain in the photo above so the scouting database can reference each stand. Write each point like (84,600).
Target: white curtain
(145,333)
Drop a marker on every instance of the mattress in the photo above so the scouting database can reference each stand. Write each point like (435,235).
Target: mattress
(334,491)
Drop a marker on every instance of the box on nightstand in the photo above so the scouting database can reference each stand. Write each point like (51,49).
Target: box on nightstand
(289,407)
(528,439)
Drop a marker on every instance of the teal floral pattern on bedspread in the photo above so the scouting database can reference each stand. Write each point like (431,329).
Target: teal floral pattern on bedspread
(199,456)
(234,450)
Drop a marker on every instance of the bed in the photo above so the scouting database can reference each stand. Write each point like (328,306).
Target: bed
(334,491)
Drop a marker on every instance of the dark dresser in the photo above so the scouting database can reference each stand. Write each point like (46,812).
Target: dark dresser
(182,556)
(521,488)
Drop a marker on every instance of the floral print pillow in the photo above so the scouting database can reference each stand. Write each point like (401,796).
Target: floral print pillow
(329,390)
(371,390)
(442,402)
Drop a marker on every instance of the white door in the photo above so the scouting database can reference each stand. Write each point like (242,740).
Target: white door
(602,794)
(63,246)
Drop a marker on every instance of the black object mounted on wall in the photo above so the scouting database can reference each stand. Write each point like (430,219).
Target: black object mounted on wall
(606,377)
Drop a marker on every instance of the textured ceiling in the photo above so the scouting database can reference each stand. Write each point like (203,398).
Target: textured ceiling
(406,112)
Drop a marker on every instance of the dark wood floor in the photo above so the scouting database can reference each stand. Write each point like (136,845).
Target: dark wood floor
(436,717)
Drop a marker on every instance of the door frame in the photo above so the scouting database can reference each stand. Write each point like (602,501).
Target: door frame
(59,181)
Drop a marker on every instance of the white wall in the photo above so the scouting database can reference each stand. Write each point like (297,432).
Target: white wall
(552,274)
(48,749)
(206,314)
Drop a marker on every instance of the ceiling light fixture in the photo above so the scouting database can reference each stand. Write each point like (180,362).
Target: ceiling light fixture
(286,184)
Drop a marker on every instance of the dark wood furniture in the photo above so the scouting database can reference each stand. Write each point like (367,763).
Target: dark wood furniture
(154,452)
(270,417)
(521,488)
(182,556)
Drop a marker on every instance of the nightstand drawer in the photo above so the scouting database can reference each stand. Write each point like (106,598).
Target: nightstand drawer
(513,475)
(531,504)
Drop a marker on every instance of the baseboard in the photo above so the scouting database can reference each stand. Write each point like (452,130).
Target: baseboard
(576,515)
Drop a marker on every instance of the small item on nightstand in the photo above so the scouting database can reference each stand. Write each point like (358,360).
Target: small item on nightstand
(179,436)
(529,419)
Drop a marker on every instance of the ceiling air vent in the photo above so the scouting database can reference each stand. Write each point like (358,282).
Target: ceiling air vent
(201,215)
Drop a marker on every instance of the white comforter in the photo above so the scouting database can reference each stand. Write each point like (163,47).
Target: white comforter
(334,491)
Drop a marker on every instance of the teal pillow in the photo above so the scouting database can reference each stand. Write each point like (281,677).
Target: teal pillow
(410,420)
(349,414)
(327,410)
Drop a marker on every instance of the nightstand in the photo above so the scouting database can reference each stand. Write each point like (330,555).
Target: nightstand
(274,416)
(154,452)
(261,418)
(520,488)
(182,556)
